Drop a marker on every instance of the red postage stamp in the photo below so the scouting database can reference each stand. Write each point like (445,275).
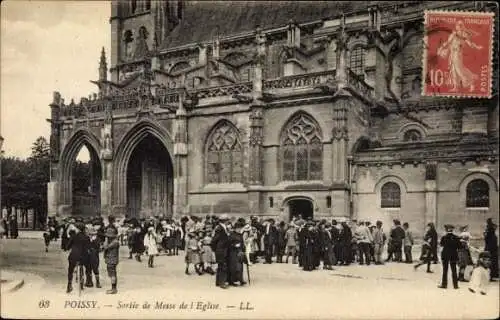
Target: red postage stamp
(458,48)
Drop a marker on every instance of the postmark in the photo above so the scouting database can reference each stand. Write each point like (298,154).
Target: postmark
(458,49)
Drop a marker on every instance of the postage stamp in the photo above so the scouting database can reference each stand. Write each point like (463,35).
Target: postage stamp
(458,49)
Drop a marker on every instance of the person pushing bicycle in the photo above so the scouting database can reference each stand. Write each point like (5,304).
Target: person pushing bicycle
(79,245)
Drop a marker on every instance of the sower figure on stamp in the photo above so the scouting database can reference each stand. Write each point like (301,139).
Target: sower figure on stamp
(93,261)
(220,245)
(111,254)
(79,244)
(449,256)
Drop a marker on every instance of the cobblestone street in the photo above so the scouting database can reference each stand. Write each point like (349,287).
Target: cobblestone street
(393,290)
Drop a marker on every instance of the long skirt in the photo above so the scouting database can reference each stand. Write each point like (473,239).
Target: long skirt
(192,256)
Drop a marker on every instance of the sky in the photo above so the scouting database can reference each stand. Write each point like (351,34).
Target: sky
(46,46)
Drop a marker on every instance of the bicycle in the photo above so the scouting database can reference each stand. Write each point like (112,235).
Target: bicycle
(79,278)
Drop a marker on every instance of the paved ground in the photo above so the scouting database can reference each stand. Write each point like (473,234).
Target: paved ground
(278,290)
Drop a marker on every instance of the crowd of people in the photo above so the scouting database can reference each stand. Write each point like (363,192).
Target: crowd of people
(227,245)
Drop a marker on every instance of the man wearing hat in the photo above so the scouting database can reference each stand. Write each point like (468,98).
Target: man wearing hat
(93,262)
(78,244)
(449,256)
(220,245)
(111,253)
(270,237)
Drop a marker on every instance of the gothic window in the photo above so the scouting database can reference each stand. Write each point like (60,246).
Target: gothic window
(224,155)
(412,135)
(357,61)
(147,5)
(301,150)
(478,194)
(143,33)
(128,39)
(390,195)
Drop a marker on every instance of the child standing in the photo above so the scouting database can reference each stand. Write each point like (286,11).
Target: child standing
(111,252)
(151,246)
(207,255)
(192,253)
(480,275)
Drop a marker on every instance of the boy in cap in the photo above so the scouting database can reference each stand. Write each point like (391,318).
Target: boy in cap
(111,253)
(93,262)
(449,256)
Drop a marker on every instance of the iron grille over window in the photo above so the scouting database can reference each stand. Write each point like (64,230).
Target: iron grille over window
(391,195)
(224,155)
(302,150)
(357,61)
(478,194)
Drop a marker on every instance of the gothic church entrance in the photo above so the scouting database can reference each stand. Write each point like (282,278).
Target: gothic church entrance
(302,207)
(150,180)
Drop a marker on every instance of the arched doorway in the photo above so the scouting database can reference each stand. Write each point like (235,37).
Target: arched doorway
(150,180)
(86,182)
(300,206)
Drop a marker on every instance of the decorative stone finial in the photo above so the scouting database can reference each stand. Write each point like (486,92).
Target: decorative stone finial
(103,66)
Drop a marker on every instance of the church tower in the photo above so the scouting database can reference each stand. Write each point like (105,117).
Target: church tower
(139,27)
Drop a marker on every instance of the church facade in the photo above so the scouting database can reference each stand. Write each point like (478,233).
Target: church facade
(276,109)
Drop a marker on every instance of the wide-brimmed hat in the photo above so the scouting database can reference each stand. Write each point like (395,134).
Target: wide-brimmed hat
(111,233)
(449,227)
(223,217)
(91,231)
(484,255)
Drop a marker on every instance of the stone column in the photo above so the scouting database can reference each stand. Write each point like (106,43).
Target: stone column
(53,190)
(431,211)
(107,165)
(340,194)
(180,206)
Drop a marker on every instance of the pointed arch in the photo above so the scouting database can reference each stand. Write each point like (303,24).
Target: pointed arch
(127,145)
(81,137)
(179,66)
(223,154)
(301,148)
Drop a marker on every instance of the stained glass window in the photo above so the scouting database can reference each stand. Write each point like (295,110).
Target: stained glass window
(224,155)
(357,61)
(478,194)
(391,195)
(301,150)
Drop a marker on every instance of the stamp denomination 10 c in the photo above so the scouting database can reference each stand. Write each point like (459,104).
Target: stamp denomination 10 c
(458,48)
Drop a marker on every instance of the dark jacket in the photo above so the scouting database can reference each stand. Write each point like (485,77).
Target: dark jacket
(220,244)
(79,244)
(397,234)
(450,244)
(270,237)
(111,252)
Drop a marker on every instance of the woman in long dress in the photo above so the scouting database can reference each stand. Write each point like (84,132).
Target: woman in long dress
(464,257)
(236,255)
(460,75)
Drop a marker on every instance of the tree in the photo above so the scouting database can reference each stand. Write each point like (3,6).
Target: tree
(38,175)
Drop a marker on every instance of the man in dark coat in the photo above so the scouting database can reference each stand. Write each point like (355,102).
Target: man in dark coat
(220,246)
(345,242)
(491,246)
(397,235)
(280,242)
(269,240)
(79,244)
(449,256)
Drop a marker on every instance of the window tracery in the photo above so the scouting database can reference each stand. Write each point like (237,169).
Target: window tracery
(412,135)
(301,150)
(224,155)
(357,61)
